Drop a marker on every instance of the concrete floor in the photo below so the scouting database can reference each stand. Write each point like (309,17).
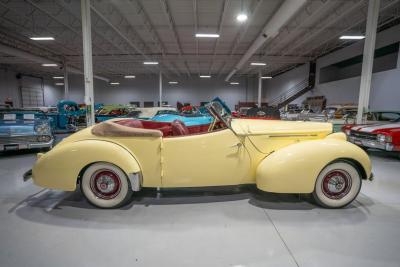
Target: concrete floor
(224,228)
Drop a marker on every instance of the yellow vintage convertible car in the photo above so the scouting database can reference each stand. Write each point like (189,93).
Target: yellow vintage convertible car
(113,159)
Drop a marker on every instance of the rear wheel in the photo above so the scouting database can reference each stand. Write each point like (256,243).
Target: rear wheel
(337,185)
(106,186)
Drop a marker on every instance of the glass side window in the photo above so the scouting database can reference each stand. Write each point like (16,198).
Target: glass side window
(389,116)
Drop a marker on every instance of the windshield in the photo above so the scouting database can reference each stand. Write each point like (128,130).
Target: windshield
(219,113)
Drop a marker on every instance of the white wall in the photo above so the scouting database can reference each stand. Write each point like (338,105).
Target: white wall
(146,88)
(385,91)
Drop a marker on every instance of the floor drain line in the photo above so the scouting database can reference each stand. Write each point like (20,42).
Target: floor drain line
(280,236)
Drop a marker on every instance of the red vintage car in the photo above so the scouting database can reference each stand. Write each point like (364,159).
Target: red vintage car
(380,136)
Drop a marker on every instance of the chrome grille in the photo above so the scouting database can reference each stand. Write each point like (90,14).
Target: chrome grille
(363,135)
(4,140)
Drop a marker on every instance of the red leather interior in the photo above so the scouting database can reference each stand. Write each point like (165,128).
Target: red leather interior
(169,129)
(179,128)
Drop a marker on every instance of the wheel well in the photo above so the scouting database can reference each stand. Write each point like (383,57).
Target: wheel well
(357,165)
(78,180)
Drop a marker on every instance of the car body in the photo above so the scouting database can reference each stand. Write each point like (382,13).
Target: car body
(264,113)
(24,129)
(66,116)
(379,136)
(115,158)
(371,117)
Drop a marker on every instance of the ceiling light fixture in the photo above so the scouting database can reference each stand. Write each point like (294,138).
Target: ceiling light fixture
(266,77)
(58,77)
(241,17)
(114,83)
(258,63)
(150,63)
(234,83)
(172,82)
(129,76)
(207,35)
(59,83)
(42,38)
(205,76)
(352,37)
(49,65)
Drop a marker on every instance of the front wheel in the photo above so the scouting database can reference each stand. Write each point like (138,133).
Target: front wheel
(337,185)
(105,185)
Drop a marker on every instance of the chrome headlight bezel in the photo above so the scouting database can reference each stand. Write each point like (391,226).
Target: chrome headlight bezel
(381,138)
(42,129)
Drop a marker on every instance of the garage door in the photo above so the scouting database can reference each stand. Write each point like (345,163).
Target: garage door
(32,94)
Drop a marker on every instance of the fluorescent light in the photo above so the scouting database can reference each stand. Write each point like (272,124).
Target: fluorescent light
(352,37)
(172,82)
(129,76)
(207,35)
(49,65)
(234,83)
(59,83)
(258,63)
(114,83)
(266,77)
(58,77)
(241,17)
(150,63)
(205,76)
(42,38)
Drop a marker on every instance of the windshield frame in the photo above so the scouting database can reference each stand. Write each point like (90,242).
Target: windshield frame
(218,116)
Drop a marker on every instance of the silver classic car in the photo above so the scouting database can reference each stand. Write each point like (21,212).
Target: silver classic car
(24,129)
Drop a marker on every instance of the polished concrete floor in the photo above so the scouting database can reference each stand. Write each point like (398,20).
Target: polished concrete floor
(221,228)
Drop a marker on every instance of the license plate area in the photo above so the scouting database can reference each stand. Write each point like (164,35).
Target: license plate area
(12,147)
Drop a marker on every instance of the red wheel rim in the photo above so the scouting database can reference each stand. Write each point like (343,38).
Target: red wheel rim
(336,184)
(105,184)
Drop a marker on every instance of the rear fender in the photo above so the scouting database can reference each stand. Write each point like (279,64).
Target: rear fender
(295,168)
(60,167)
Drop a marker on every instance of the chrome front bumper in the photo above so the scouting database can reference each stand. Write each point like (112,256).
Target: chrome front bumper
(18,146)
(370,143)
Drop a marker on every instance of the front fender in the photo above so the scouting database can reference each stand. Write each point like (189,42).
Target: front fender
(60,167)
(295,168)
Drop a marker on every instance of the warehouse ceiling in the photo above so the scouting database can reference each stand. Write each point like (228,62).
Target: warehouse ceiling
(127,32)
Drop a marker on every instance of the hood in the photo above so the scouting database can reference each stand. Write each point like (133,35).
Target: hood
(378,128)
(277,127)
(17,127)
(270,135)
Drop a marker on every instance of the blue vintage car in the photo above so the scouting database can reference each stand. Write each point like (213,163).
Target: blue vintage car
(66,116)
(24,129)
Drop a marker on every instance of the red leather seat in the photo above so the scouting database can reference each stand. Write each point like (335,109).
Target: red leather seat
(179,128)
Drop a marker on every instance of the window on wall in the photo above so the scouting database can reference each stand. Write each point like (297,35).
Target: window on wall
(135,103)
(385,58)
(148,104)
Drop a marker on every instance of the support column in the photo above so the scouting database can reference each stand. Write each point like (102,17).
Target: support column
(87,61)
(259,89)
(66,86)
(368,58)
(160,88)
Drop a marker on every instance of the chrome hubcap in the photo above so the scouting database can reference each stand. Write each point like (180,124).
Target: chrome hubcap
(336,184)
(105,184)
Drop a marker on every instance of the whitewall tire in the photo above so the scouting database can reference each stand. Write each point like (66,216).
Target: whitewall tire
(105,185)
(337,185)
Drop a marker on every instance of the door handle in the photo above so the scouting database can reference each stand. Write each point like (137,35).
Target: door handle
(238,145)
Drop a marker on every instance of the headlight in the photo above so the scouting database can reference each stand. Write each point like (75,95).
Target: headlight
(42,129)
(44,138)
(381,138)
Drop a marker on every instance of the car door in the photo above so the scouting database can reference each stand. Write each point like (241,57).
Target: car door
(210,159)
